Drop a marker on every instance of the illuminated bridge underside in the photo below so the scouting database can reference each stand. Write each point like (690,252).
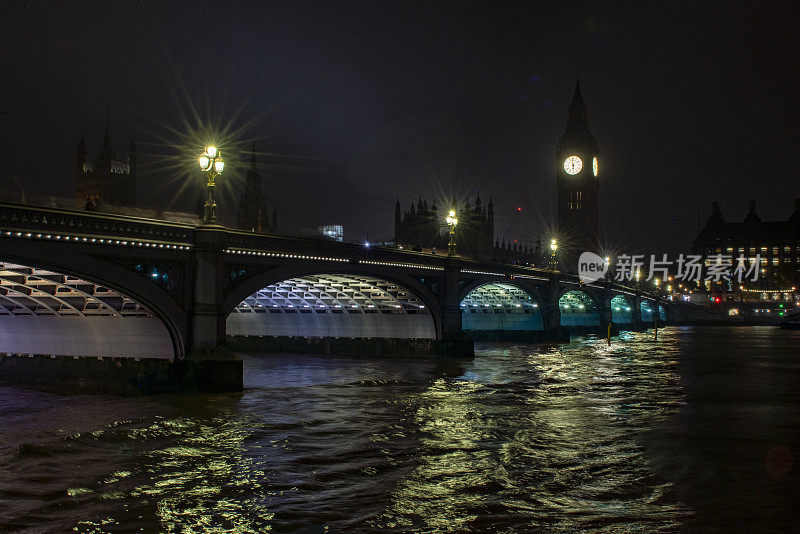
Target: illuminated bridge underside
(43,312)
(578,309)
(621,310)
(330,305)
(500,307)
(648,310)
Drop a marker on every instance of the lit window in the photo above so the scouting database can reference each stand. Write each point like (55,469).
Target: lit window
(763,250)
(775,261)
(774,251)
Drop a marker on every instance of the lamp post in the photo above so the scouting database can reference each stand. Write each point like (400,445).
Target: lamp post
(553,258)
(211,163)
(452,221)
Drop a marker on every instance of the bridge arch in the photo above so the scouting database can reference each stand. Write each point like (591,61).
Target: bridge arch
(621,310)
(46,312)
(340,303)
(650,308)
(498,306)
(104,275)
(577,308)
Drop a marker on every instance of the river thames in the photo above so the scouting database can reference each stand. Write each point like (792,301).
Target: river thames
(698,431)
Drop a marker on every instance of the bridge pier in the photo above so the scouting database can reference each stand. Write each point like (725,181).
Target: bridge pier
(636,316)
(215,368)
(454,341)
(606,314)
(551,314)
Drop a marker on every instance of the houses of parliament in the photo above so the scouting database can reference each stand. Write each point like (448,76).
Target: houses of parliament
(423,227)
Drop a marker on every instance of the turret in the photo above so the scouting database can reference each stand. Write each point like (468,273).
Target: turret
(397,216)
(81,164)
(795,217)
(132,158)
(107,147)
(752,216)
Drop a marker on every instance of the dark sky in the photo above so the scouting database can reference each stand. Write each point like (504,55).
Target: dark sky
(354,104)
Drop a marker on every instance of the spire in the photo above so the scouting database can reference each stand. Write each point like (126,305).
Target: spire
(253,163)
(577,131)
(107,148)
(752,216)
(132,157)
(577,98)
(716,214)
(795,218)
(253,212)
(81,155)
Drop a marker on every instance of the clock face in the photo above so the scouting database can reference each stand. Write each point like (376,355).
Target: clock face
(573,165)
(594,166)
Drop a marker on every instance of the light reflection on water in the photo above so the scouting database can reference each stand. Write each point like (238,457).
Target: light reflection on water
(694,431)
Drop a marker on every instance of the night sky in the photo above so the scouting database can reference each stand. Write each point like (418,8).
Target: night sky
(352,105)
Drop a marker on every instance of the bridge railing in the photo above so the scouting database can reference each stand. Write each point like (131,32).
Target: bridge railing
(55,220)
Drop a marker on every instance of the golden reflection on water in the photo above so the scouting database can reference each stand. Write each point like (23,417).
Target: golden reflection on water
(563,424)
(639,436)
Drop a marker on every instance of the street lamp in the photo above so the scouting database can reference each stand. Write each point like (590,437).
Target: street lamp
(553,259)
(452,221)
(211,163)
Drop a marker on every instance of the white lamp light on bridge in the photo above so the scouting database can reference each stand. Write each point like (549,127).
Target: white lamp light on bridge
(553,251)
(212,164)
(452,222)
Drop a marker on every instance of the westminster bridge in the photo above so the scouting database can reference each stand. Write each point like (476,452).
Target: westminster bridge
(80,284)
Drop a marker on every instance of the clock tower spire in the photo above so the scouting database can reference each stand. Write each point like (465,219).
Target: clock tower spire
(577,183)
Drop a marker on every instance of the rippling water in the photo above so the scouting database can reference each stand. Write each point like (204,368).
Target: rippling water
(696,431)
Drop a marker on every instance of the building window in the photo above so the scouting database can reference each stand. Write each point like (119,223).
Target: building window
(774,251)
(752,251)
(775,261)
(576,200)
(763,250)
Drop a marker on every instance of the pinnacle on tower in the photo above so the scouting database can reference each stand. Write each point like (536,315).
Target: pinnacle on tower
(578,124)
(253,162)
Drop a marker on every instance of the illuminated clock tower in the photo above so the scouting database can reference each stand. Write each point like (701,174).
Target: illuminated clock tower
(577,183)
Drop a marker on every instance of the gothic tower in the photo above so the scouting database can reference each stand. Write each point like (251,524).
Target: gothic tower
(253,214)
(105,180)
(577,183)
